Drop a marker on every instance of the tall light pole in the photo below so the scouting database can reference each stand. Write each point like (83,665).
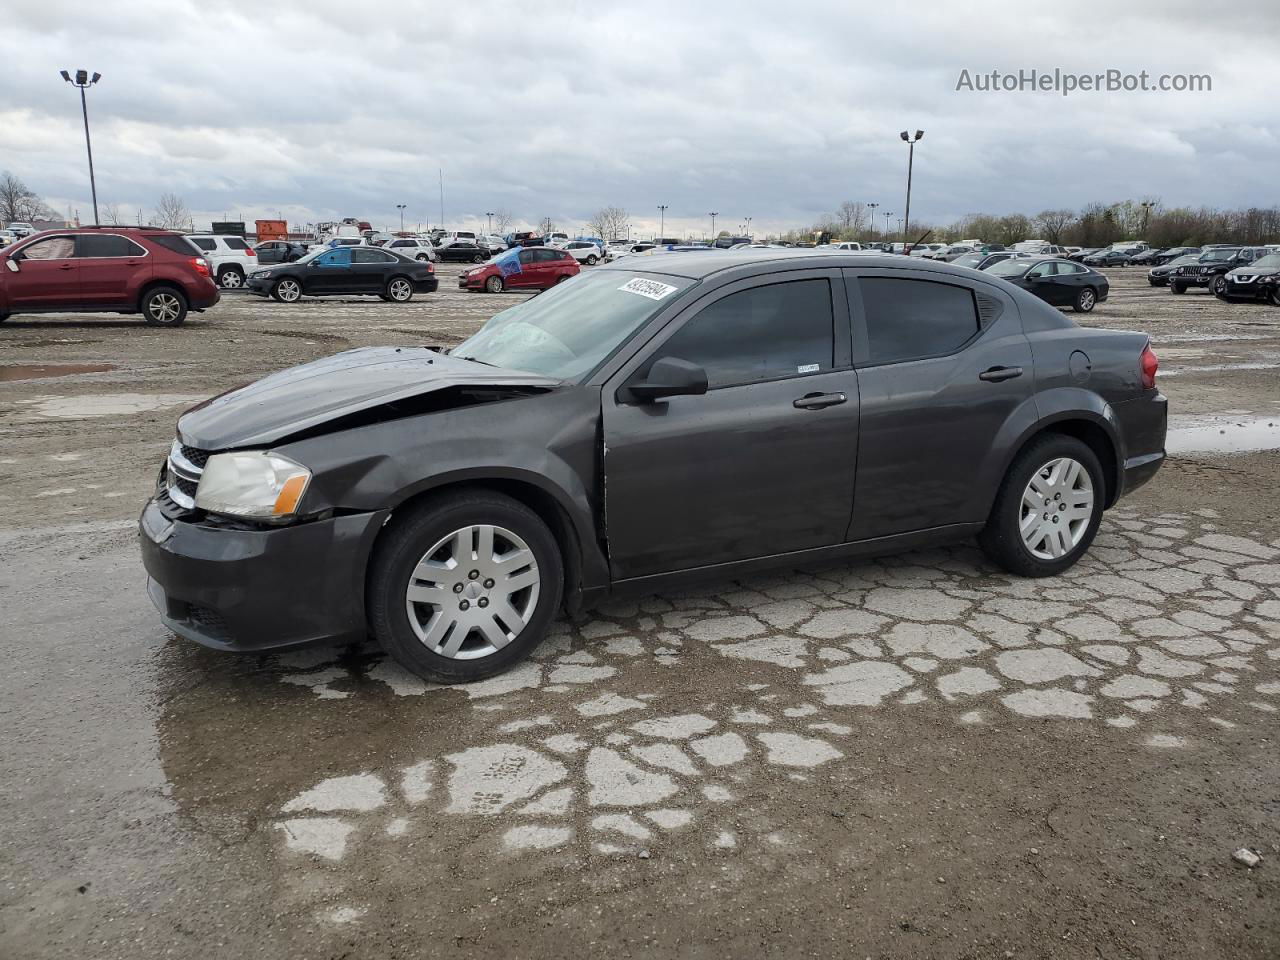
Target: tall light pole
(84,82)
(662,219)
(748,230)
(911,155)
(1146,215)
(490,216)
(714,214)
(873,219)
(887,218)
(400,207)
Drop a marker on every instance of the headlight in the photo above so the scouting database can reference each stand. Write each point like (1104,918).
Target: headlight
(260,275)
(252,484)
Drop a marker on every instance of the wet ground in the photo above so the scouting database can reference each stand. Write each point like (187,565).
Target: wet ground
(917,756)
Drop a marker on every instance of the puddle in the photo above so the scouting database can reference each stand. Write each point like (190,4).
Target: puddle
(1219,368)
(43,371)
(1219,435)
(105,405)
(1208,337)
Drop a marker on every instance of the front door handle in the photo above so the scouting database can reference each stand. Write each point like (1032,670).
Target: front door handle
(998,374)
(66,266)
(819,401)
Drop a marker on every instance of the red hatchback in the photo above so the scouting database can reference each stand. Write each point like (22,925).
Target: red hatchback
(156,273)
(522,268)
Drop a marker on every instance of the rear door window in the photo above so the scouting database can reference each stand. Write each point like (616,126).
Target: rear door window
(370,255)
(914,319)
(235,243)
(175,244)
(204,243)
(106,245)
(762,333)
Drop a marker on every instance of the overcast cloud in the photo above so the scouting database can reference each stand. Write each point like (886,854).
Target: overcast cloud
(777,111)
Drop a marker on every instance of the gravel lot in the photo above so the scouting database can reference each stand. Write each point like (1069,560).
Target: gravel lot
(918,756)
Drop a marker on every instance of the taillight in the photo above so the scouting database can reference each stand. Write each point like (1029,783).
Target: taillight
(430,267)
(1150,363)
(251,252)
(199,265)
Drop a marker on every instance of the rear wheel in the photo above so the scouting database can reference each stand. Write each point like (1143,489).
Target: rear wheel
(592,260)
(1086,300)
(287,290)
(1047,511)
(399,290)
(232,278)
(464,587)
(164,307)
(477,259)
(494,284)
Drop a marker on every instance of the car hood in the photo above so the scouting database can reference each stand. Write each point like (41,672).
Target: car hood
(1248,271)
(306,396)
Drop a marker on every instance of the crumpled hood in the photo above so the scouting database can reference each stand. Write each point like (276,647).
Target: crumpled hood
(301,397)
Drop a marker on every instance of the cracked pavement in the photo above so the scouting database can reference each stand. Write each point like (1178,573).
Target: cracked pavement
(914,756)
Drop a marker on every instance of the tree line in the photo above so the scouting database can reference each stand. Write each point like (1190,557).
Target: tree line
(1094,225)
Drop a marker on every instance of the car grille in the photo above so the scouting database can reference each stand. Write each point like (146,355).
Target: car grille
(186,464)
(1191,271)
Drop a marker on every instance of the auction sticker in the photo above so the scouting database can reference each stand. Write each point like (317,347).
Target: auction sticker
(648,288)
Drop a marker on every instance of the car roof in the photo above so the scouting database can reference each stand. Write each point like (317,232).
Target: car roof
(698,267)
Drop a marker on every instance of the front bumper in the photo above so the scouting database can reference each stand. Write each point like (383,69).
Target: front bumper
(260,286)
(250,589)
(1192,280)
(1254,290)
(472,283)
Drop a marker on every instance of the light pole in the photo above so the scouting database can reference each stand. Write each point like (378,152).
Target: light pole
(747,232)
(662,219)
(911,155)
(1146,215)
(400,207)
(887,218)
(873,219)
(490,216)
(714,214)
(84,82)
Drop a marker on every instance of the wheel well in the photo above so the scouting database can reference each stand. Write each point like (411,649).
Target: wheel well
(156,285)
(1097,440)
(537,500)
(234,267)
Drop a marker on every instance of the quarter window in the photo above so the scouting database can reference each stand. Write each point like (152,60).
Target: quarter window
(912,319)
(235,243)
(204,243)
(370,255)
(764,333)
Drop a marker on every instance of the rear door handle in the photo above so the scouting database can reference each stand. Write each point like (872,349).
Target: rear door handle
(998,374)
(819,401)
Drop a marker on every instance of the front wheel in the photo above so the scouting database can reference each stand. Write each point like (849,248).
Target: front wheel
(464,587)
(1178,287)
(287,290)
(1047,511)
(1274,298)
(1086,300)
(399,290)
(493,284)
(164,307)
(1219,287)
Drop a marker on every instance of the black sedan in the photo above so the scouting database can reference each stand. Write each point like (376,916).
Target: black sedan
(1081,254)
(981,261)
(464,251)
(1057,282)
(335,271)
(450,505)
(1109,258)
(1259,280)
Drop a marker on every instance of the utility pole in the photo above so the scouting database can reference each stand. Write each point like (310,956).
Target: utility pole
(662,220)
(400,207)
(873,219)
(441,172)
(490,216)
(714,214)
(84,81)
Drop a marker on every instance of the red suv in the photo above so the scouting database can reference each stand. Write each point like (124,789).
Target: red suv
(157,273)
(521,268)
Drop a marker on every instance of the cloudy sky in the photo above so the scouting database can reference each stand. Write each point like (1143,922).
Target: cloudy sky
(774,111)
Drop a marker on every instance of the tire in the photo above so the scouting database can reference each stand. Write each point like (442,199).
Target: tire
(418,633)
(1177,287)
(231,278)
(592,260)
(399,290)
(562,278)
(164,307)
(1086,300)
(422,258)
(3,317)
(1219,287)
(1061,543)
(287,290)
(1153,283)
(494,284)
(477,259)
(1274,300)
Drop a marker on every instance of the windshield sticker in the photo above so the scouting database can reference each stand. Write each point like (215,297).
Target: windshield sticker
(648,288)
(809,368)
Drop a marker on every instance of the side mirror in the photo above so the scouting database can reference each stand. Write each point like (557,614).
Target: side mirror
(11,263)
(668,377)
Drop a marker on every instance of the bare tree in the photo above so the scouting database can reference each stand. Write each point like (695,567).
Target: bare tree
(851,218)
(502,219)
(610,223)
(172,212)
(111,215)
(19,202)
(1052,222)
(546,226)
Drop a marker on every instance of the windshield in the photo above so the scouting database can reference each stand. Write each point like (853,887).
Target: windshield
(1214,255)
(1181,261)
(969,260)
(1009,268)
(1270,262)
(312,254)
(567,331)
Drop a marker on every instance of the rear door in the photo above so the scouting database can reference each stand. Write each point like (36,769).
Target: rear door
(47,275)
(763,463)
(943,367)
(370,268)
(109,266)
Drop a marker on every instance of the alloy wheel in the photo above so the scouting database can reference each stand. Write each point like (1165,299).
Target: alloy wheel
(231,279)
(289,290)
(401,290)
(1057,506)
(164,308)
(473,592)
(1087,300)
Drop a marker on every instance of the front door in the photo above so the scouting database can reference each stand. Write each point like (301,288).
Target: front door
(763,463)
(47,276)
(330,272)
(944,370)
